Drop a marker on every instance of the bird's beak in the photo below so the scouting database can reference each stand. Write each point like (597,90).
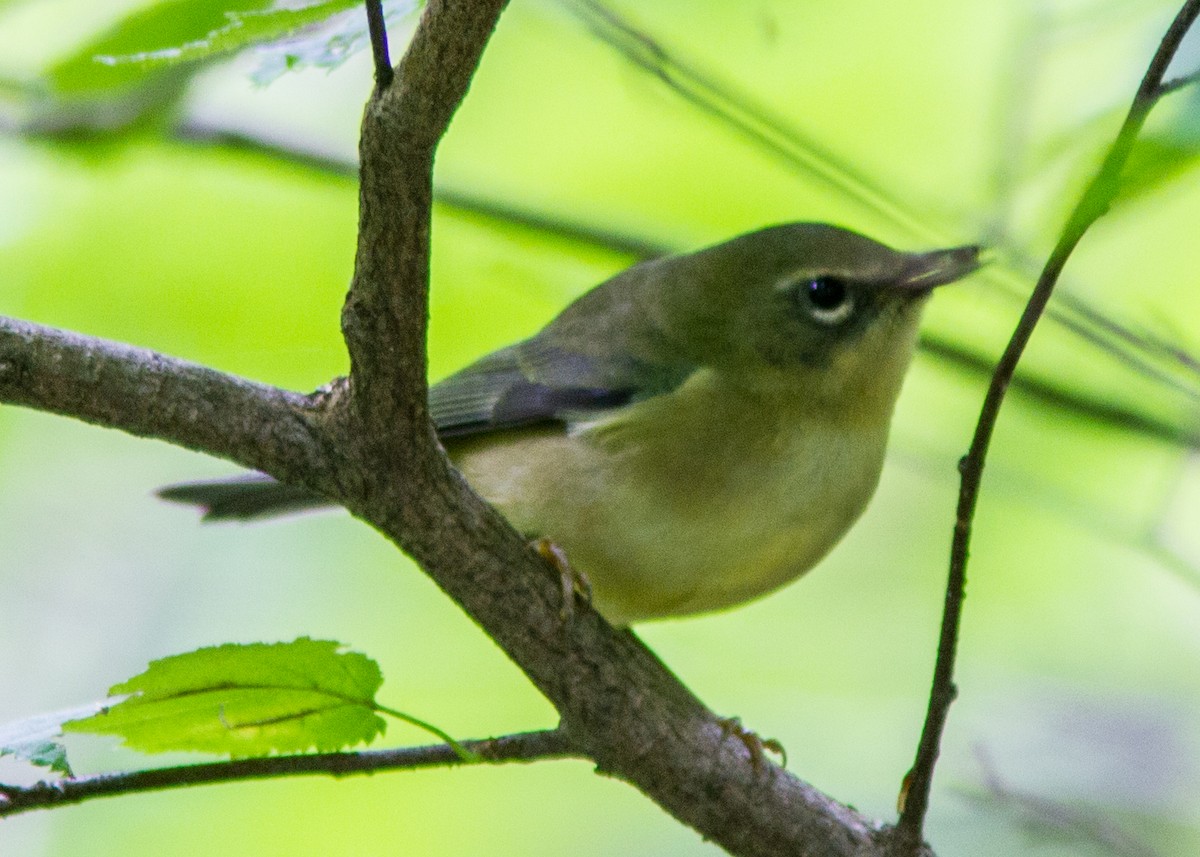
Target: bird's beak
(925,271)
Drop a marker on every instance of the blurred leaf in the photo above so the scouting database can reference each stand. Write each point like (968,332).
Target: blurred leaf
(1160,155)
(245,700)
(240,29)
(160,27)
(328,44)
(44,754)
(32,739)
(1155,162)
(137,69)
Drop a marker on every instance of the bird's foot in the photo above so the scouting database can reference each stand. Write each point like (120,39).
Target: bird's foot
(755,746)
(574,582)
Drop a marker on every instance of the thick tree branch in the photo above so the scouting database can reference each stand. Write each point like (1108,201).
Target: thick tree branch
(369,446)
(523,747)
(1092,204)
(150,395)
(618,703)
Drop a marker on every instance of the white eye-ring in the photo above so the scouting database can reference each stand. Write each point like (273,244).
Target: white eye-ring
(826,299)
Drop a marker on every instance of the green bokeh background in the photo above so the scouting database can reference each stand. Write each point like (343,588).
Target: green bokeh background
(1078,674)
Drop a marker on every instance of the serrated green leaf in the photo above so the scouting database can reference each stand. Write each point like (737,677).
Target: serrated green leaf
(239,30)
(245,700)
(32,739)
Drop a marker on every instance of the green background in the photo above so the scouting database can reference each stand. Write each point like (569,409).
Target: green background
(1076,729)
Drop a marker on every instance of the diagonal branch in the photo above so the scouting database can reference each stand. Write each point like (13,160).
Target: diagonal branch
(1092,204)
(617,701)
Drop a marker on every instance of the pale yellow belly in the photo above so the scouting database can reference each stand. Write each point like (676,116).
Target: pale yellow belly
(687,516)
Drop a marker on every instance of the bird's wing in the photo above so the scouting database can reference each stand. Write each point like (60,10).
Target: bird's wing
(538,382)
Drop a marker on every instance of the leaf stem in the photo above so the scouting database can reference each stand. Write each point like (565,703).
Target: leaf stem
(464,754)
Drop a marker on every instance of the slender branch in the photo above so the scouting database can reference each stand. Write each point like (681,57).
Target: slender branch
(1137,352)
(1092,204)
(377,27)
(1093,325)
(1180,82)
(385,312)
(522,747)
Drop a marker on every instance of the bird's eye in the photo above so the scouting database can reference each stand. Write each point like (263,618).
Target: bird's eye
(827,299)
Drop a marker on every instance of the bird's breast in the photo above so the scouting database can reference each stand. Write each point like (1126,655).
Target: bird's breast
(689,502)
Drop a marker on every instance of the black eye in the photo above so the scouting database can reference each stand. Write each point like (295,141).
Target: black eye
(828,299)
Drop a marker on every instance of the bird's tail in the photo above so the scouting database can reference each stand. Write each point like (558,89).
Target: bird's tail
(244,499)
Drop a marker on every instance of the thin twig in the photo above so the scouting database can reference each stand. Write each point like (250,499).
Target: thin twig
(1092,204)
(521,747)
(377,27)
(1180,82)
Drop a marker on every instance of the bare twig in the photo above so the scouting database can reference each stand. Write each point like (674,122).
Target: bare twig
(1062,398)
(377,27)
(1092,204)
(1180,82)
(523,747)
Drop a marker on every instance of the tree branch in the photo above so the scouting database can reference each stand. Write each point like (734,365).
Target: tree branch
(150,395)
(617,701)
(523,747)
(1093,203)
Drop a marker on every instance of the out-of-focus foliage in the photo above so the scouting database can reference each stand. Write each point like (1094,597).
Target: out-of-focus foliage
(219,225)
(35,739)
(106,62)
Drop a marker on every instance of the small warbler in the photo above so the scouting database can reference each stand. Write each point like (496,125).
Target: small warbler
(694,432)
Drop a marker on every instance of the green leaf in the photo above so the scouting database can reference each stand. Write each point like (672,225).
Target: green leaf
(239,30)
(44,754)
(164,25)
(1156,161)
(32,739)
(245,700)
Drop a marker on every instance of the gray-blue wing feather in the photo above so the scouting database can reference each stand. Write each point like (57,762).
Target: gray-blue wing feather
(535,382)
(602,352)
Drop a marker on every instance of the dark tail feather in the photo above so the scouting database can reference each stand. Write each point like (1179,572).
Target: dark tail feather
(243,499)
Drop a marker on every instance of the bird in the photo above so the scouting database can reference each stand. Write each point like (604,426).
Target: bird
(692,433)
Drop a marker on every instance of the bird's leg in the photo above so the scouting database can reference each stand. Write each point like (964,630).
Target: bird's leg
(755,746)
(574,582)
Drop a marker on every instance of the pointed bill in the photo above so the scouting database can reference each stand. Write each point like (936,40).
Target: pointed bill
(925,271)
